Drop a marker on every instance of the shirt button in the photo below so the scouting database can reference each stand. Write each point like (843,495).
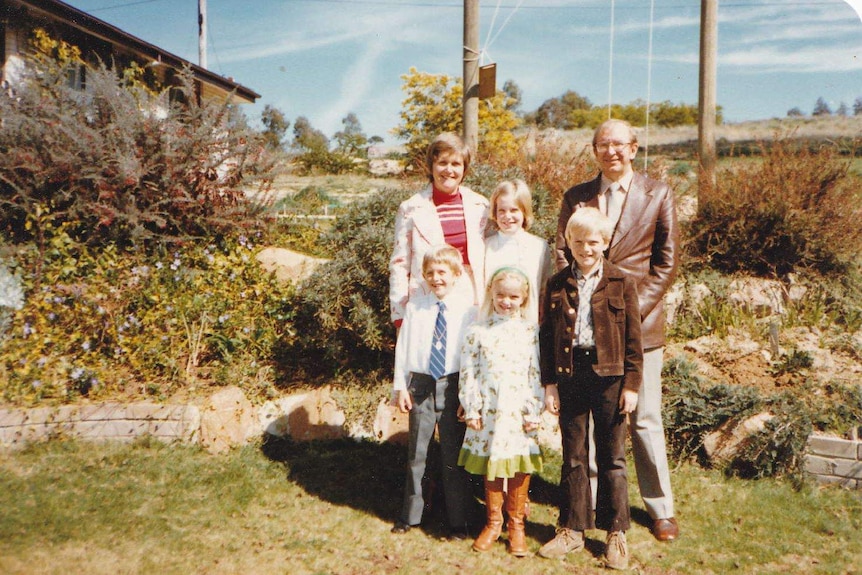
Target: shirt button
(560,369)
(565,350)
(568,370)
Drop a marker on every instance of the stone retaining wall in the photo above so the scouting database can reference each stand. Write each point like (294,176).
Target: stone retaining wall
(228,419)
(835,460)
(106,421)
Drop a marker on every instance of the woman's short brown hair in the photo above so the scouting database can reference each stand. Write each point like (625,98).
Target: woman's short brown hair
(443,144)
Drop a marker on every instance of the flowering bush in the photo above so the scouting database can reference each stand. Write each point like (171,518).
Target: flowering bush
(117,163)
(108,322)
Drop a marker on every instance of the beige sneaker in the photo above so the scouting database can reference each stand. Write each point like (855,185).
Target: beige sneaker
(566,540)
(617,552)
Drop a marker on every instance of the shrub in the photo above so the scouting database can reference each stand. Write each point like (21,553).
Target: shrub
(342,320)
(118,164)
(793,210)
(693,408)
(324,161)
(109,321)
(829,303)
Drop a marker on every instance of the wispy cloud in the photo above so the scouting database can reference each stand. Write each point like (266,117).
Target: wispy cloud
(356,85)
(321,29)
(800,61)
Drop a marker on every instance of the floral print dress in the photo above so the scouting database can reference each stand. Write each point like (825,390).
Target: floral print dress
(500,384)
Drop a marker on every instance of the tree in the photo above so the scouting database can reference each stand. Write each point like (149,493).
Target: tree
(308,139)
(668,114)
(842,110)
(275,127)
(433,105)
(857,106)
(556,112)
(514,94)
(351,141)
(821,108)
(794,113)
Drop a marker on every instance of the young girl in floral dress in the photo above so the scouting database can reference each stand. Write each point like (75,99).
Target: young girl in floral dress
(501,394)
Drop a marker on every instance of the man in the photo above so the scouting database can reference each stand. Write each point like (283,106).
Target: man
(645,245)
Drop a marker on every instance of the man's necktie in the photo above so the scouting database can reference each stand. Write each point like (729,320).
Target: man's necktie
(438,344)
(614,202)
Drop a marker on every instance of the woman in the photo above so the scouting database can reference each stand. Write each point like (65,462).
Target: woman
(444,212)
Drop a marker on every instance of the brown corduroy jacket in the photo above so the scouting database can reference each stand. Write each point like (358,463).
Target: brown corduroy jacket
(616,327)
(645,244)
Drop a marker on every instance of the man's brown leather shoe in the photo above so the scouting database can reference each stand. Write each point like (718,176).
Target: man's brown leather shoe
(665,529)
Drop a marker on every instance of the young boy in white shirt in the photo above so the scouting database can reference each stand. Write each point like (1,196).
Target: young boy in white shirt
(427,365)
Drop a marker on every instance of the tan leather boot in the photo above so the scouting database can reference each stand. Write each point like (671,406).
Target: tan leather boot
(494,508)
(516,504)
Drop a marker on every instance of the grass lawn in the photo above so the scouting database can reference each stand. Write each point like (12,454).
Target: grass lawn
(326,508)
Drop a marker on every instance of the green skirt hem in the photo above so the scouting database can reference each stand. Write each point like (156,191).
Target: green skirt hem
(492,469)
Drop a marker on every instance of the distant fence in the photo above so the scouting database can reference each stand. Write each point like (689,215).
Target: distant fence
(287,214)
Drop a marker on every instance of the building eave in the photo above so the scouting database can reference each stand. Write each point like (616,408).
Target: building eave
(90,25)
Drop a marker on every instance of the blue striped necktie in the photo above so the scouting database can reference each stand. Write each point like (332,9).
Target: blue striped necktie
(438,344)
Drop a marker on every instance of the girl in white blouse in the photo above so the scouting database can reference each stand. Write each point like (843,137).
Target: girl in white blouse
(512,245)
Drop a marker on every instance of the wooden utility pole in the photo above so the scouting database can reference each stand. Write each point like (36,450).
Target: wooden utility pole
(202,33)
(706,100)
(471,74)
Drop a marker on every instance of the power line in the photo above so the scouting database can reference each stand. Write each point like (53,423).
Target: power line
(124,5)
(636,5)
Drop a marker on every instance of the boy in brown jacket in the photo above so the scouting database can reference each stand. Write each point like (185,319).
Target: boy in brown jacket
(591,362)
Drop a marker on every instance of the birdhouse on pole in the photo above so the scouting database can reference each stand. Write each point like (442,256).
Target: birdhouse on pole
(487,81)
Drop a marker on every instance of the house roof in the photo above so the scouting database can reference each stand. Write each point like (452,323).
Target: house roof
(53,10)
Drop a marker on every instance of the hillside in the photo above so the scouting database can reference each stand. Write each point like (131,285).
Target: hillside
(661,140)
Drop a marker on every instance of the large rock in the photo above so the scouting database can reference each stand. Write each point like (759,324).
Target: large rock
(385,167)
(304,416)
(765,296)
(288,265)
(673,299)
(724,443)
(390,424)
(227,420)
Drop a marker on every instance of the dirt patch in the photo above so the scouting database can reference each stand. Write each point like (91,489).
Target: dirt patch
(805,357)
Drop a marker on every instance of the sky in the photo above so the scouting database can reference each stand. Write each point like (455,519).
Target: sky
(323,59)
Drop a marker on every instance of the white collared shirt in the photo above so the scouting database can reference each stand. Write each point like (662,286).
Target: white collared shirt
(625,184)
(413,349)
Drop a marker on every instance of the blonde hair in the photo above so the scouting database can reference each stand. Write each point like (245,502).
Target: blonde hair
(504,273)
(589,221)
(520,193)
(443,254)
(443,144)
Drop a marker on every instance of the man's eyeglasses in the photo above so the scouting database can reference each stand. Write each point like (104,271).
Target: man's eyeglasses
(603,147)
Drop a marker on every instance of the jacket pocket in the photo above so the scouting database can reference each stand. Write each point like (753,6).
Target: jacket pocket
(617,309)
